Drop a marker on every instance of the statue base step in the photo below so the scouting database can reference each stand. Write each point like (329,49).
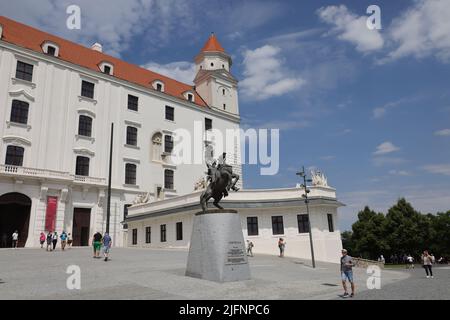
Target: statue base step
(217,251)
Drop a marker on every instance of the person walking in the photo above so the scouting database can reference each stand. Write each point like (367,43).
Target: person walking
(15,239)
(107,242)
(410,262)
(433,259)
(281,246)
(54,240)
(249,248)
(69,241)
(63,237)
(97,244)
(347,273)
(49,240)
(427,264)
(42,239)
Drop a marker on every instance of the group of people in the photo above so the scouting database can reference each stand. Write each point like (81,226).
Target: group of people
(101,243)
(281,246)
(51,239)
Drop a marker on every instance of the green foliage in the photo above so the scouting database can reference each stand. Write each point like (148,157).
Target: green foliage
(403,230)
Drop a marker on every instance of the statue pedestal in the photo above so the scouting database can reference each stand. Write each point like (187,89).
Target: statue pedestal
(217,251)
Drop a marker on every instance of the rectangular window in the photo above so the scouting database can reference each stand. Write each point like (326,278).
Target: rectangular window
(134,240)
(14,156)
(252,226)
(179,227)
(190,97)
(24,71)
(159,87)
(51,51)
(132,136)
(130,174)
(107,70)
(148,234)
(133,102)
(303,223)
(82,166)
(208,124)
(125,214)
(87,89)
(19,111)
(170,113)
(85,126)
(168,179)
(277,225)
(163,233)
(168,143)
(330,222)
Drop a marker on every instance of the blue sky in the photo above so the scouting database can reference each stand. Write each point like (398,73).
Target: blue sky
(370,108)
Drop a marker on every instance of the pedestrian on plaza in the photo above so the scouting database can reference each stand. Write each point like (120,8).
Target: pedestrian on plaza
(49,240)
(381,259)
(4,240)
(42,239)
(409,262)
(63,237)
(427,264)
(281,246)
(69,240)
(54,240)
(433,259)
(249,248)
(15,239)
(97,244)
(347,273)
(107,242)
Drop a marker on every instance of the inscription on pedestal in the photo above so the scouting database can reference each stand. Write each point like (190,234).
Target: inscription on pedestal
(235,253)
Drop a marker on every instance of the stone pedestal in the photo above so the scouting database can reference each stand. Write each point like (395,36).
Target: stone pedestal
(217,251)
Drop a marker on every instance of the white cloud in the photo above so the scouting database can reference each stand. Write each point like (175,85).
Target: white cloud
(182,70)
(399,173)
(423,30)
(443,132)
(352,28)
(438,169)
(385,148)
(113,23)
(265,76)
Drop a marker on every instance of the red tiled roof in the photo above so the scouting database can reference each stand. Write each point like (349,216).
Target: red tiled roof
(212,44)
(31,38)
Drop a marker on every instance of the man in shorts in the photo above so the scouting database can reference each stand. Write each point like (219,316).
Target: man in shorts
(347,273)
(106,245)
(97,244)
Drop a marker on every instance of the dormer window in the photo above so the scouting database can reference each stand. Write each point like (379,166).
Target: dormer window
(50,48)
(106,68)
(158,85)
(189,96)
(1,31)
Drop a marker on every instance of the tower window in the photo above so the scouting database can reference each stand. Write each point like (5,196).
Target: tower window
(168,143)
(208,124)
(170,113)
(130,174)
(85,126)
(132,136)
(223,91)
(224,106)
(168,179)
(330,222)
(87,89)
(223,66)
(212,64)
(133,102)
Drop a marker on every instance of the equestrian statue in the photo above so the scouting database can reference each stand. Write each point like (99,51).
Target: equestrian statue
(221,179)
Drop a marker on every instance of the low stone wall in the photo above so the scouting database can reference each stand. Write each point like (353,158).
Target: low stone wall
(364,263)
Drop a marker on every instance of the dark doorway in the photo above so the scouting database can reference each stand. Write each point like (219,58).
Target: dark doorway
(81,225)
(14,215)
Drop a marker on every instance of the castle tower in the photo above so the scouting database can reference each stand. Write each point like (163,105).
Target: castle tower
(213,81)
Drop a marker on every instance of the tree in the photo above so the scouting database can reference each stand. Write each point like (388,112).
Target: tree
(368,235)
(440,238)
(347,242)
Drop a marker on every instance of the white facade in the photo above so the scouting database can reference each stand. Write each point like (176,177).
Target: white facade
(51,141)
(262,204)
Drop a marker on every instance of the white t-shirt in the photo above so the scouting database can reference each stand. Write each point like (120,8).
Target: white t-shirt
(15,236)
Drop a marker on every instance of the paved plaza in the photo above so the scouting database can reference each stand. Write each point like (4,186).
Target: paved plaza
(134,273)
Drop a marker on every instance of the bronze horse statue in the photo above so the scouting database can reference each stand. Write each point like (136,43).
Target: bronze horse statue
(222,179)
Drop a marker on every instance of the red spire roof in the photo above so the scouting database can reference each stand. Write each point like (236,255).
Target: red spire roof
(212,44)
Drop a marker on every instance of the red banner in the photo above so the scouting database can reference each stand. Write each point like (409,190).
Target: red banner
(50,215)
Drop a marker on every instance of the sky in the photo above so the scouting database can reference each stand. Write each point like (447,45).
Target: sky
(369,108)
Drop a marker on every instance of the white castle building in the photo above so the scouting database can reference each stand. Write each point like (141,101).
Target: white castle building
(59,100)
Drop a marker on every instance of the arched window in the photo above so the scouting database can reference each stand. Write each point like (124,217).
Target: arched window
(14,156)
(158,85)
(85,126)
(50,48)
(19,111)
(156,146)
(130,174)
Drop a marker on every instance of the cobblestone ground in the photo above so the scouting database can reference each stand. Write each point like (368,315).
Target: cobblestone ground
(134,273)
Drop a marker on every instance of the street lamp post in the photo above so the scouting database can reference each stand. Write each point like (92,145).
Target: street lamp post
(305,196)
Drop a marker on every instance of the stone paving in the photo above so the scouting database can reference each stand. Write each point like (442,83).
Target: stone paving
(136,273)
